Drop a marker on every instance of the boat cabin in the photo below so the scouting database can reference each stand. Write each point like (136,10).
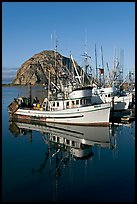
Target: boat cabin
(66,104)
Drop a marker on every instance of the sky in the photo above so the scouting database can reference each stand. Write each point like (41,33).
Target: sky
(31,27)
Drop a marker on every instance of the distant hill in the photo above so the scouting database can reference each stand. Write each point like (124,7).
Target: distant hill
(35,69)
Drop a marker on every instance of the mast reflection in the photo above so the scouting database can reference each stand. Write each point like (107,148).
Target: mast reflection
(66,142)
(67,146)
(64,145)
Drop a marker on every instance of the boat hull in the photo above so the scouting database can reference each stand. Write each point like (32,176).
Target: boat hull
(120,103)
(89,115)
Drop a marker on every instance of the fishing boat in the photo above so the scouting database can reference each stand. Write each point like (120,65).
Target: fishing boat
(79,108)
(119,100)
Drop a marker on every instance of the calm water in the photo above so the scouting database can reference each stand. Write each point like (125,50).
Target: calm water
(36,168)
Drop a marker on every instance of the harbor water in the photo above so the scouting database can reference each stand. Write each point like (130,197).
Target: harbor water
(45,162)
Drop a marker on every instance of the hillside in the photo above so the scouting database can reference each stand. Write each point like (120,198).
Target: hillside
(36,69)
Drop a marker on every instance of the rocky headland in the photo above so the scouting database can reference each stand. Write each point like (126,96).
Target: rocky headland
(36,69)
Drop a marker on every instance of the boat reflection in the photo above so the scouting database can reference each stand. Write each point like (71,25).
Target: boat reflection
(65,145)
(77,140)
(67,148)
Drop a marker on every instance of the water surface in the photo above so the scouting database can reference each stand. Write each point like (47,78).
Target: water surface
(36,168)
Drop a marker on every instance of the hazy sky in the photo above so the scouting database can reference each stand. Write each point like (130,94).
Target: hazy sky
(30,27)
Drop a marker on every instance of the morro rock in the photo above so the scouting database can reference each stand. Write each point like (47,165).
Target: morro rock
(36,69)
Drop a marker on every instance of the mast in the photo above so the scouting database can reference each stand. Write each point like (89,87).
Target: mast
(102,71)
(71,68)
(48,88)
(86,65)
(30,93)
(56,71)
(96,63)
(121,64)
(86,56)
(109,82)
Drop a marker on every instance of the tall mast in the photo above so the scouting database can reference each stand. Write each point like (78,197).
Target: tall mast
(96,63)
(86,64)
(121,64)
(72,68)
(30,93)
(102,63)
(48,88)
(109,82)
(102,58)
(56,71)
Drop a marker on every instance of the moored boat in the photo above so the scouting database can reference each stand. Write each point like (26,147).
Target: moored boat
(119,100)
(78,109)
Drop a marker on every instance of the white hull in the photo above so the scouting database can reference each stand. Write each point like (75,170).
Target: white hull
(120,103)
(88,115)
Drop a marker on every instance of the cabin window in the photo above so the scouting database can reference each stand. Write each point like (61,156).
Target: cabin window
(54,138)
(77,102)
(57,139)
(53,104)
(73,103)
(108,95)
(57,104)
(67,103)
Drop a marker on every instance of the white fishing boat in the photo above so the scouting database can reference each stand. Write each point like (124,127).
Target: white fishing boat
(77,109)
(119,100)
